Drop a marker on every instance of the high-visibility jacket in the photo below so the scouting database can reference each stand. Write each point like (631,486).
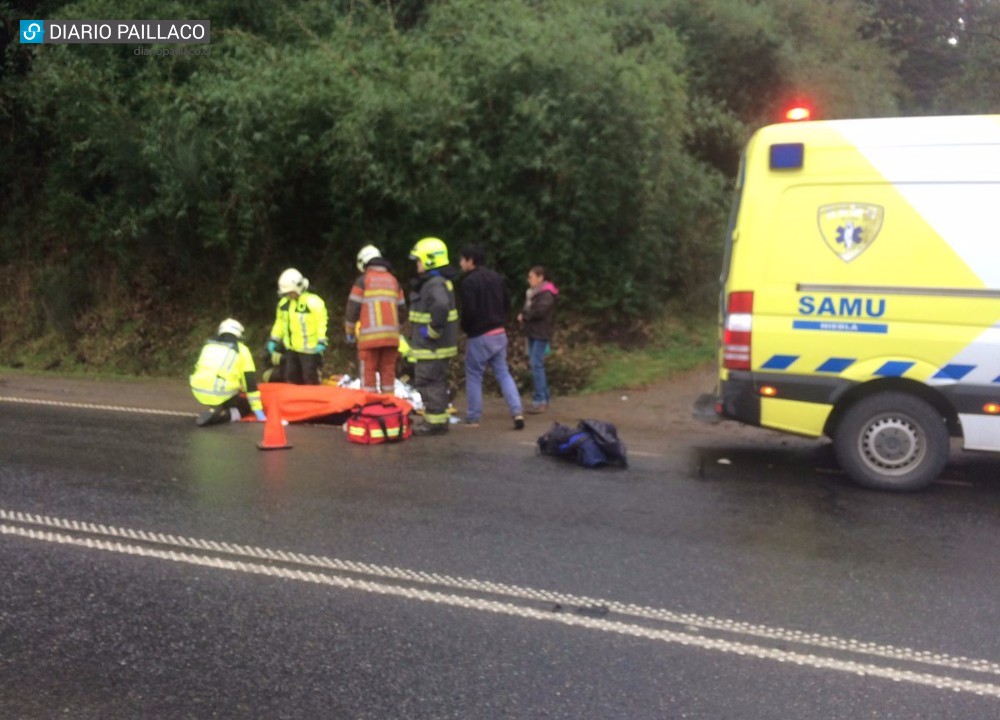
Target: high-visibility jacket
(300,323)
(432,306)
(377,306)
(225,368)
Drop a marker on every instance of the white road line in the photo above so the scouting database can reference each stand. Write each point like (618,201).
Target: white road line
(686,620)
(89,406)
(491,606)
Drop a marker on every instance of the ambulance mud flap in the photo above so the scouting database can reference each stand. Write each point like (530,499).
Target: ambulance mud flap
(707,409)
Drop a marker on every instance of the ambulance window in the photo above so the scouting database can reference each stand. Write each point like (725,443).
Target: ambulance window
(734,212)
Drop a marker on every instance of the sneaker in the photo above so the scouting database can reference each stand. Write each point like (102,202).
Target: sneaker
(426,428)
(214,416)
(537,408)
(469,423)
(519,422)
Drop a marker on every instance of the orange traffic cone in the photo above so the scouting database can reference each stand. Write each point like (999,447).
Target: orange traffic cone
(274,432)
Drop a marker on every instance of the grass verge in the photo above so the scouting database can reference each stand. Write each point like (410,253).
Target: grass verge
(676,345)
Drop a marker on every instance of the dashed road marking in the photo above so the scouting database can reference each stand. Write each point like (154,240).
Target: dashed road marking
(91,406)
(686,629)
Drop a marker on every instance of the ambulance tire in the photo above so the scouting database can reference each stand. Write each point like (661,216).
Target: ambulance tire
(892,441)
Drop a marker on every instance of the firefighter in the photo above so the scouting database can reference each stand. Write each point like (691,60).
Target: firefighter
(299,329)
(433,331)
(225,378)
(375,309)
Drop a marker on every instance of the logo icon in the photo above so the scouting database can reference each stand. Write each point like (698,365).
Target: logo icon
(32,32)
(850,228)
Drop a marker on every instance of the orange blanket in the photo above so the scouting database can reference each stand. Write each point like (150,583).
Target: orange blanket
(300,403)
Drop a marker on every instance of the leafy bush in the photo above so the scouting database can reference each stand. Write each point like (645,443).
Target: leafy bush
(152,196)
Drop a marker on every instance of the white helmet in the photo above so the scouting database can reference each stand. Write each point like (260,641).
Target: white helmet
(292,281)
(366,255)
(232,327)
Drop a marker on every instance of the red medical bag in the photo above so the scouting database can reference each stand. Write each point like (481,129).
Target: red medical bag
(377,422)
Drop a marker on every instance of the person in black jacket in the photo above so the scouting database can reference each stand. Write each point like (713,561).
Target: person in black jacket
(485,303)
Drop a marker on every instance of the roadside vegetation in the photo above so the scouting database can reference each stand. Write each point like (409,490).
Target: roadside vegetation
(143,199)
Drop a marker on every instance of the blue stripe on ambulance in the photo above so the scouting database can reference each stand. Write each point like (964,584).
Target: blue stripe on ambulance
(953,371)
(779,362)
(840,326)
(835,365)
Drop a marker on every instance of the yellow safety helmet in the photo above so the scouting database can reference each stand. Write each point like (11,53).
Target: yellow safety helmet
(431,251)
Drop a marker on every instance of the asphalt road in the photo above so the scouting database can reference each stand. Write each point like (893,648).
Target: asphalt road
(152,569)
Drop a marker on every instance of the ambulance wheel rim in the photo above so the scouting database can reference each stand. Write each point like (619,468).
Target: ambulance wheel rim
(892,445)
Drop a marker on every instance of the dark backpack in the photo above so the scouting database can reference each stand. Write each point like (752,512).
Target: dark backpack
(592,444)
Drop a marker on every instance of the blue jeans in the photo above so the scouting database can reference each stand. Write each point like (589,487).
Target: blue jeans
(488,350)
(536,356)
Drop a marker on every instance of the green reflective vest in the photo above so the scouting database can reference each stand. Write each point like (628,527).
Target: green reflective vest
(222,371)
(300,323)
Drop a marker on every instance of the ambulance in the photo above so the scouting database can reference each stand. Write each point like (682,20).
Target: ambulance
(861,292)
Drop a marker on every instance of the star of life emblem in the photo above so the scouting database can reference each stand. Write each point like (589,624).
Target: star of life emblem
(850,228)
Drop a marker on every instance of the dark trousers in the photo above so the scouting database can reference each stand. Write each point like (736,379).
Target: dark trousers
(302,368)
(430,378)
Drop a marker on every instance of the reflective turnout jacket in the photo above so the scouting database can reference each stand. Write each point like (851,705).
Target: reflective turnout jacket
(432,306)
(377,306)
(225,368)
(300,323)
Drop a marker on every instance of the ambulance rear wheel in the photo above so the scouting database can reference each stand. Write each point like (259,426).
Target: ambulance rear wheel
(892,441)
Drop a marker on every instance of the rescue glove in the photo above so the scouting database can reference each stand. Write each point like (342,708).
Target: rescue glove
(272,347)
(349,338)
(320,348)
(425,332)
(260,415)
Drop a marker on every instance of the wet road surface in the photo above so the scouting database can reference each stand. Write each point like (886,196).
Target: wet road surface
(149,568)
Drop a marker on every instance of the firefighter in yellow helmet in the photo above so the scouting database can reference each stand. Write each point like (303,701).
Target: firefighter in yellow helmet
(225,378)
(299,329)
(433,331)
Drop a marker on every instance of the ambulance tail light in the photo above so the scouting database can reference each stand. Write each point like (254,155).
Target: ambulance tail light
(736,331)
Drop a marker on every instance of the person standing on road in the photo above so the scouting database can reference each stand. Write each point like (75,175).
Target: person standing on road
(539,322)
(375,307)
(299,329)
(433,331)
(225,378)
(485,303)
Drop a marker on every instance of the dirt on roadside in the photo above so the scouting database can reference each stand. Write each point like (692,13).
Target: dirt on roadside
(656,419)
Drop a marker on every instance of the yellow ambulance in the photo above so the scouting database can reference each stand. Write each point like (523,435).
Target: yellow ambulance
(861,291)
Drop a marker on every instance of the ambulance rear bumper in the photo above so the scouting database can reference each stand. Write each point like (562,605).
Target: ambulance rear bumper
(737,401)
(740,397)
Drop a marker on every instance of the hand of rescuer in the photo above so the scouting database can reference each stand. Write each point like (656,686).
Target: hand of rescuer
(261,417)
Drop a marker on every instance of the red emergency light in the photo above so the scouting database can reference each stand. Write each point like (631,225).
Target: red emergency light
(797,113)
